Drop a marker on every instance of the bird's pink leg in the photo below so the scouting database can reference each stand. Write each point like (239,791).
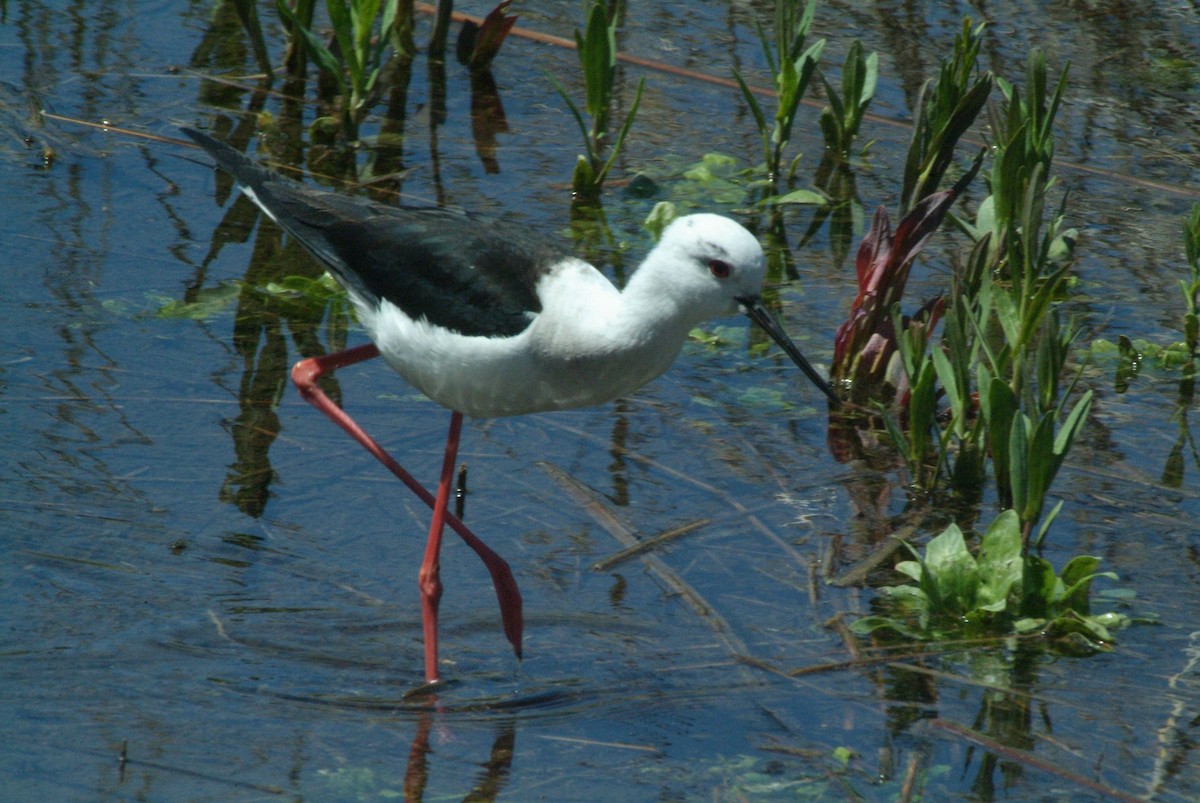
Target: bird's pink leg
(429,579)
(305,375)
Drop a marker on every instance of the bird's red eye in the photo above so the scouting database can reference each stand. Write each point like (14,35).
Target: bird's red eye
(719,268)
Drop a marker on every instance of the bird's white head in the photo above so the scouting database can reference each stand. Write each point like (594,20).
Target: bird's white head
(706,266)
(706,263)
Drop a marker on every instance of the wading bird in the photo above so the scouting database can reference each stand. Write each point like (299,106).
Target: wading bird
(487,320)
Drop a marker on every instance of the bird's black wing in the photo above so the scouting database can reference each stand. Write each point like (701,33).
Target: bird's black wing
(474,276)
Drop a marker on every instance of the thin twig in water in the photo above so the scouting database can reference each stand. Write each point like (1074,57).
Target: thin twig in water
(694,599)
(911,771)
(711,490)
(858,573)
(647,544)
(1029,759)
(838,624)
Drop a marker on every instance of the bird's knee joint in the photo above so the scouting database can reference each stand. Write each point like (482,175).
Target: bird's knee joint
(305,373)
(430,583)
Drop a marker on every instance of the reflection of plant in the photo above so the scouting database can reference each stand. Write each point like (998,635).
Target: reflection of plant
(792,67)
(955,593)
(247,13)
(597,48)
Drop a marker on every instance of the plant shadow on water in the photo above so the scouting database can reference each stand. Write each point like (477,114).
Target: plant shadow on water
(207,586)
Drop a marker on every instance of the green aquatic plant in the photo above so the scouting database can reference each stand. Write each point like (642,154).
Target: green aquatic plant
(867,346)
(868,342)
(998,591)
(1191,286)
(945,109)
(1133,354)
(842,118)
(792,66)
(357,61)
(1007,347)
(1129,357)
(597,49)
(995,384)
(294,295)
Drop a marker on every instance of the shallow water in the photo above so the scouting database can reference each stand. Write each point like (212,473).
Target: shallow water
(209,592)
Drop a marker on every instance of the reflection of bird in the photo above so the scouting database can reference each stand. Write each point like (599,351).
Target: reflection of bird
(486,320)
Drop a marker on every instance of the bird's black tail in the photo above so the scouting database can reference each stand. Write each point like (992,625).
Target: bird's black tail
(311,216)
(244,169)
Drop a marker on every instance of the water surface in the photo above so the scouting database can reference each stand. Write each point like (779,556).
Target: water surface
(209,592)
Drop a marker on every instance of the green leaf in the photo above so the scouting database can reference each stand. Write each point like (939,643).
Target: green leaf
(616,148)
(661,216)
(922,406)
(207,304)
(999,410)
(1000,564)
(1079,636)
(1041,466)
(1018,460)
(870,624)
(343,30)
(870,79)
(583,130)
(316,48)
(584,182)
(909,597)
(597,49)
(949,380)
(809,197)
(835,113)
(953,572)
(1077,578)
(1037,588)
(1044,527)
(1070,428)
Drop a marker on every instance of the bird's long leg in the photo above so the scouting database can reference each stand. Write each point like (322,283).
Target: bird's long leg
(430,579)
(305,375)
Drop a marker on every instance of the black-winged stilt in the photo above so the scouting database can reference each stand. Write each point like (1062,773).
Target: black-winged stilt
(487,321)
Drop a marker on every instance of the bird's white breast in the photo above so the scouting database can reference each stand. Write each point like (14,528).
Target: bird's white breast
(582,349)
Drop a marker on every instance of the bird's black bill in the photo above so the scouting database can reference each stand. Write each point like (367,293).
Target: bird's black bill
(757,312)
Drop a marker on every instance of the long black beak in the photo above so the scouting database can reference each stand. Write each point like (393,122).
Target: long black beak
(757,312)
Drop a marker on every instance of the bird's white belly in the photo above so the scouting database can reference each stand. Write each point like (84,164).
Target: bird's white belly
(488,377)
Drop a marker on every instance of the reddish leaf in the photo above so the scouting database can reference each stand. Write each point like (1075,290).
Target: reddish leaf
(491,36)
(865,343)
